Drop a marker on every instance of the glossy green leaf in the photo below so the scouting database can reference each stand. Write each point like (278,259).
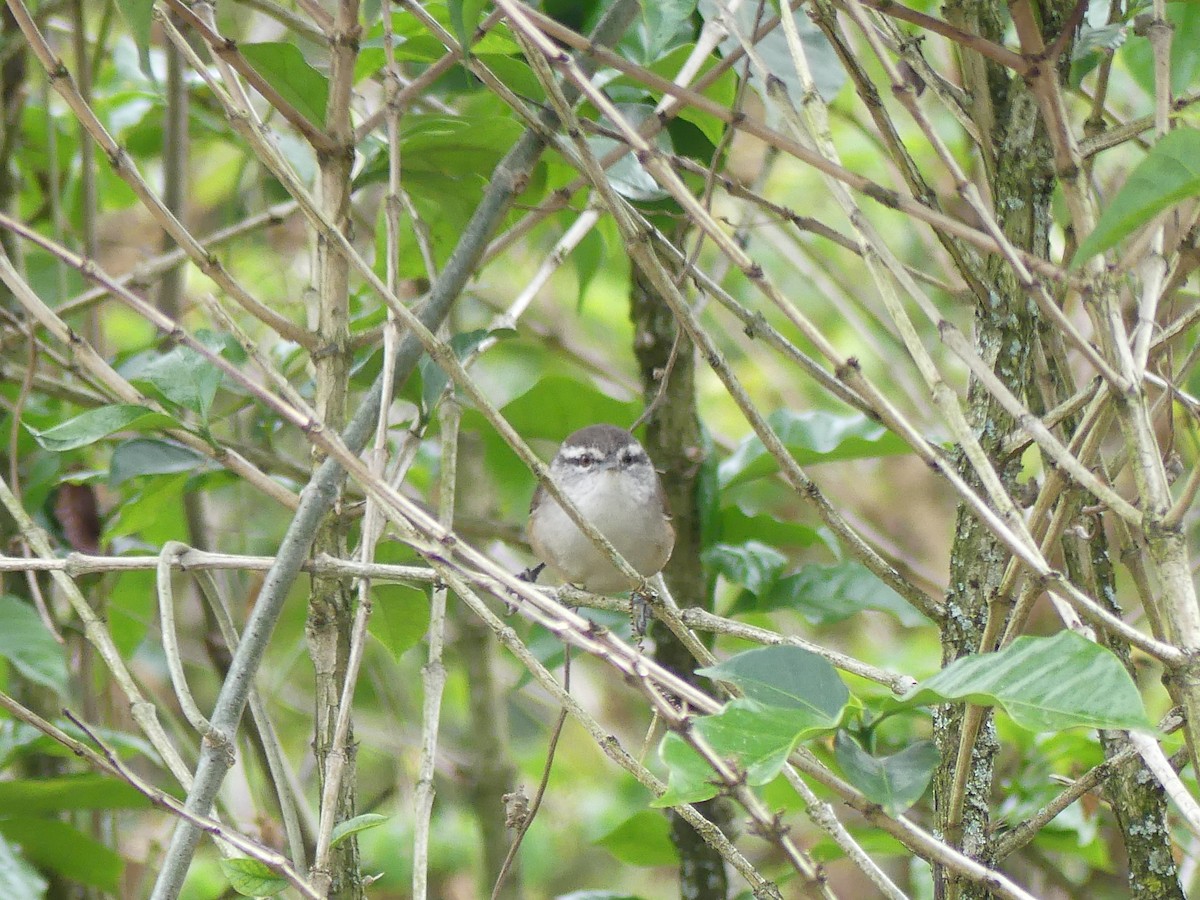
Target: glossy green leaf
(644,839)
(364,822)
(1169,174)
(89,427)
(895,782)
(184,378)
(31,796)
(784,677)
(30,648)
(285,68)
(753,565)
(250,878)
(811,437)
(1044,684)
(689,777)
(824,594)
(61,848)
(148,456)
(18,879)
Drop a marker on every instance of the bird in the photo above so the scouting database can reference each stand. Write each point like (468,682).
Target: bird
(608,475)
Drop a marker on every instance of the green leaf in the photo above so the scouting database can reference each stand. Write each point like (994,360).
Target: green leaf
(894,782)
(665,21)
(64,849)
(18,879)
(791,695)
(826,69)
(89,427)
(147,456)
(151,508)
(588,257)
(251,878)
(644,839)
(285,69)
(343,830)
(738,526)
(18,740)
(464,15)
(824,594)
(557,405)
(185,378)
(1044,684)
(1169,174)
(139,16)
(627,175)
(399,616)
(811,437)
(30,647)
(1138,55)
(753,565)
(433,379)
(689,777)
(597,895)
(455,146)
(786,678)
(68,792)
(759,737)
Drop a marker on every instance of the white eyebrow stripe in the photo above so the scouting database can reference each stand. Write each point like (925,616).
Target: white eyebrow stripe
(578,452)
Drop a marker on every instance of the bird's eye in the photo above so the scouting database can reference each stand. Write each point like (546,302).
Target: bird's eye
(586,460)
(630,456)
